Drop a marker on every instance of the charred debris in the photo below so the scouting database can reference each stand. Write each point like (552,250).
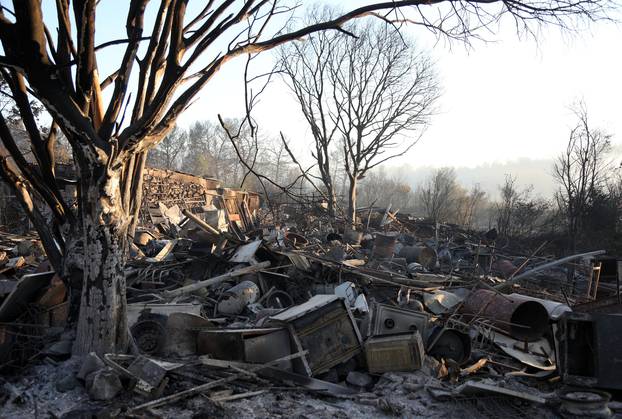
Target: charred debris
(228,305)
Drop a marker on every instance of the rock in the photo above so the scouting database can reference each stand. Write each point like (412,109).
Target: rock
(411,387)
(393,377)
(359,379)
(103,384)
(62,348)
(81,413)
(67,383)
(91,363)
(345,368)
(331,376)
(109,412)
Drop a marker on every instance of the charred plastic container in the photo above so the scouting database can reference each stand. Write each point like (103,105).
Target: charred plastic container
(522,319)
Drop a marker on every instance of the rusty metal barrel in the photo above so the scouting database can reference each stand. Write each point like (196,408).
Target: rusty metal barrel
(352,236)
(423,255)
(505,267)
(384,245)
(522,319)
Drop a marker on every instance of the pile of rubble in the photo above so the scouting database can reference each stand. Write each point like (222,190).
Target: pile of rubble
(304,318)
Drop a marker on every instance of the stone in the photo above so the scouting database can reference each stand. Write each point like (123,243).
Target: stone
(91,363)
(67,383)
(81,413)
(103,384)
(331,376)
(62,348)
(359,379)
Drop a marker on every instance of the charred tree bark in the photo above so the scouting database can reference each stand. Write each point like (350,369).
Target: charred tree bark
(332,198)
(352,201)
(102,325)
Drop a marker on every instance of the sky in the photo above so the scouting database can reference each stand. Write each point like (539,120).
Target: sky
(503,101)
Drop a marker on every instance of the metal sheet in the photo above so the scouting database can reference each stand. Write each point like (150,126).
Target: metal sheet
(531,353)
(27,289)
(181,333)
(246,253)
(250,345)
(300,310)
(440,301)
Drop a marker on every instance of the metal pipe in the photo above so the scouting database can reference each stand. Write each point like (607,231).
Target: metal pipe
(216,280)
(522,319)
(548,265)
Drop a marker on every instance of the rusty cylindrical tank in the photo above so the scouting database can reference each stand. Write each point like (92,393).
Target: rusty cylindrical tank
(384,245)
(352,236)
(522,319)
(423,255)
(505,267)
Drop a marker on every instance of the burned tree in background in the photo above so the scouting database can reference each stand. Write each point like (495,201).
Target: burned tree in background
(581,172)
(369,90)
(173,55)
(166,155)
(438,194)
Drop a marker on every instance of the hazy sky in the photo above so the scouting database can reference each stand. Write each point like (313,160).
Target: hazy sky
(502,100)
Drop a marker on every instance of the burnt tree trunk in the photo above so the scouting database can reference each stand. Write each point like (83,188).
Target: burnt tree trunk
(352,201)
(332,202)
(102,325)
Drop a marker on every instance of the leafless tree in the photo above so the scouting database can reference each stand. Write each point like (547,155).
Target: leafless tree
(438,194)
(384,92)
(200,149)
(518,213)
(305,67)
(169,53)
(581,172)
(166,154)
(510,196)
(467,204)
(380,189)
(371,92)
